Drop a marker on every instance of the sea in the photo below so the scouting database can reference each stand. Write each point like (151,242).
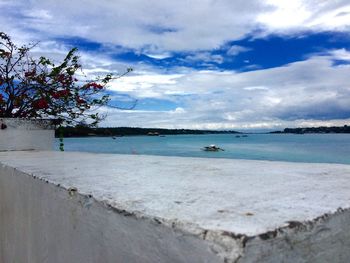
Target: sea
(309,148)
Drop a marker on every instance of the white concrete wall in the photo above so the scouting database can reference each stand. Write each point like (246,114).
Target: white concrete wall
(43,223)
(23,134)
(105,208)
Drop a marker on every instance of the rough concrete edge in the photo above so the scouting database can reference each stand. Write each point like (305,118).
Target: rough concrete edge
(293,229)
(229,246)
(232,252)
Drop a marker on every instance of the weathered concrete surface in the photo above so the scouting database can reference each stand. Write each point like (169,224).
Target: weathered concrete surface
(24,134)
(170,209)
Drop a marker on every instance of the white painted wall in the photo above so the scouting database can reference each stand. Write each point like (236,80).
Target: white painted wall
(23,134)
(43,223)
(105,208)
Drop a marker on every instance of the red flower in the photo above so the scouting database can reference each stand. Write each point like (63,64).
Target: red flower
(60,93)
(64,93)
(94,85)
(61,78)
(80,100)
(40,104)
(55,95)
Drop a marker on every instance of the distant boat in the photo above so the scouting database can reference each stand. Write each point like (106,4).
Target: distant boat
(212,148)
(114,137)
(153,134)
(244,135)
(237,136)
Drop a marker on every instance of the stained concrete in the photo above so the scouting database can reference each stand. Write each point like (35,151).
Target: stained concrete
(26,134)
(82,207)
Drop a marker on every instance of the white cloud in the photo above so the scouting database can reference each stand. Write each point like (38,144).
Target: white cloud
(299,15)
(341,54)
(159,56)
(204,57)
(163,25)
(147,84)
(302,93)
(235,50)
(158,27)
(286,14)
(38,15)
(256,88)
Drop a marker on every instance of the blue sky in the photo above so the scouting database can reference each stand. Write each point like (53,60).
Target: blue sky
(203,64)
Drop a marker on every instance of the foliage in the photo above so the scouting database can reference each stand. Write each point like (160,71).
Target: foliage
(80,131)
(39,88)
(341,129)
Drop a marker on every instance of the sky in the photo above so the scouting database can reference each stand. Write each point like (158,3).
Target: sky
(202,64)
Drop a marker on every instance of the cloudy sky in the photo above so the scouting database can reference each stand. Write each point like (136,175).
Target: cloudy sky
(217,64)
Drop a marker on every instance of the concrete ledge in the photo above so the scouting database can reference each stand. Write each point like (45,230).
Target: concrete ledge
(80,207)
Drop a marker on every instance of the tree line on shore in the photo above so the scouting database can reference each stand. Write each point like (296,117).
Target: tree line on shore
(334,129)
(83,131)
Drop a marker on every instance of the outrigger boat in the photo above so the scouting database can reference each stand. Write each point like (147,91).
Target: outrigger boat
(212,148)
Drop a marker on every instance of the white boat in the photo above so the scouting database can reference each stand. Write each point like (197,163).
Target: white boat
(212,148)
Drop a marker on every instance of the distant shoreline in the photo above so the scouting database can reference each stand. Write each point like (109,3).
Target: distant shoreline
(136,131)
(334,129)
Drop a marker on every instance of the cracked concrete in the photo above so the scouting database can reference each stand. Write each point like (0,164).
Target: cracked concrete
(172,209)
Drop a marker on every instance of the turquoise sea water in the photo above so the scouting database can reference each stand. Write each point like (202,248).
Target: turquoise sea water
(324,148)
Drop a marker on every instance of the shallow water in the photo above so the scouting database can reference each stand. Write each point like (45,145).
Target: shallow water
(324,148)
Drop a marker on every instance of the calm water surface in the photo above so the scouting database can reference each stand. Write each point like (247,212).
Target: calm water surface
(324,148)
